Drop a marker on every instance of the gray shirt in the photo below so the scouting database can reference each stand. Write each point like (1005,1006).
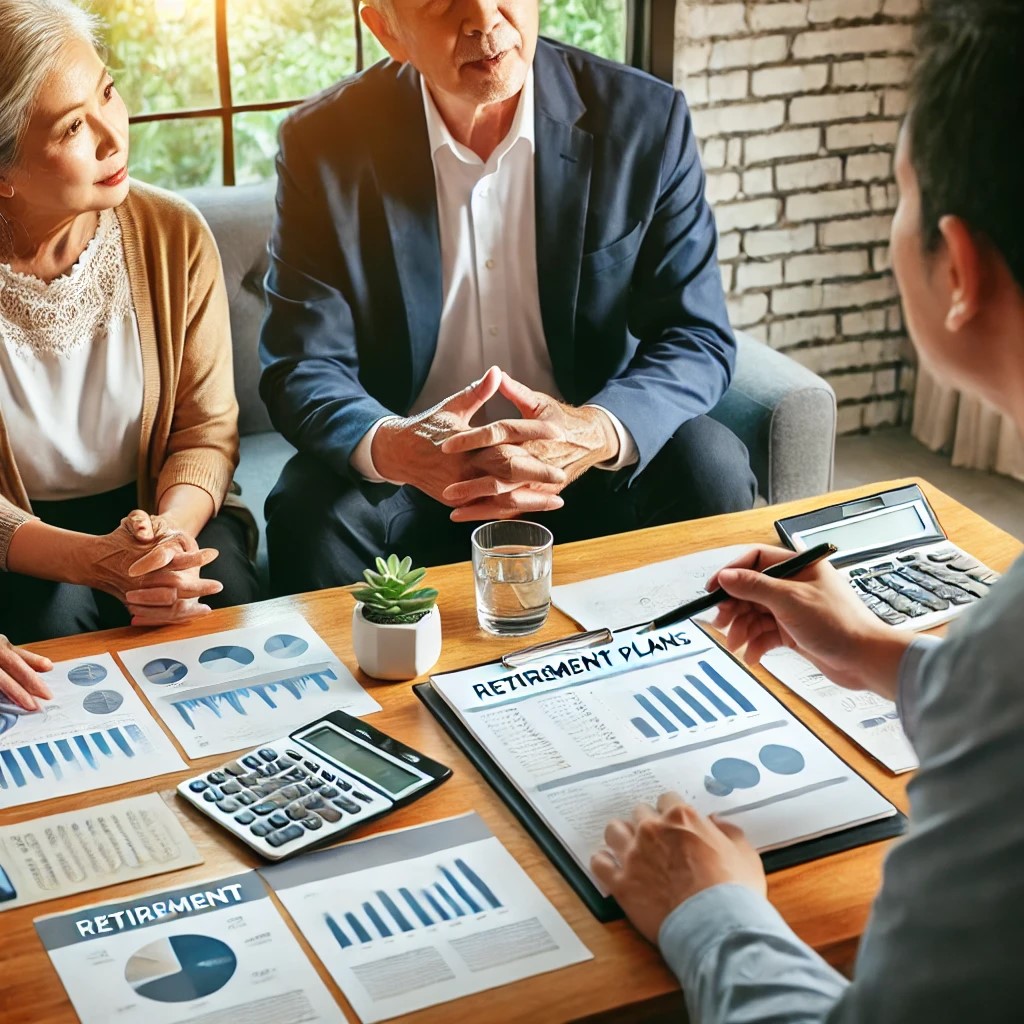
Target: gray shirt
(946,933)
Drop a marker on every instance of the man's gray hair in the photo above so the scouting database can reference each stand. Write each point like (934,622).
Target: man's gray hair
(33,33)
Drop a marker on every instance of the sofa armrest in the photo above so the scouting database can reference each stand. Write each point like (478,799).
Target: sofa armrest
(786,416)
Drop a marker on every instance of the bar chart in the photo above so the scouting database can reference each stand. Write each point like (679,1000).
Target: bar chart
(235,697)
(701,698)
(456,891)
(28,765)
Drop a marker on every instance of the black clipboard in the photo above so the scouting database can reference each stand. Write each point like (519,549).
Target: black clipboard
(604,908)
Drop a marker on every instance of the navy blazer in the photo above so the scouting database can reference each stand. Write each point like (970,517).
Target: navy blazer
(630,291)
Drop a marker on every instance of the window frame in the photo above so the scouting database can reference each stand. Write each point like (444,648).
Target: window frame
(648,47)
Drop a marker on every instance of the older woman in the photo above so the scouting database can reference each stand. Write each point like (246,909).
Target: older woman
(118,422)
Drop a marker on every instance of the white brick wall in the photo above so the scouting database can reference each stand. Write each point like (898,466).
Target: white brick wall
(797,104)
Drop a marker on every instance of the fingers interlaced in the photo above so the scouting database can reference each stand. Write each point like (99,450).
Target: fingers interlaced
(500,432)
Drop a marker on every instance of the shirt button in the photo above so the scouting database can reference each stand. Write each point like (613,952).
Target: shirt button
(492,330)
(489,264)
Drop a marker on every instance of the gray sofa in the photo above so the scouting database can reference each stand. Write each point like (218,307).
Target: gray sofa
(784,413)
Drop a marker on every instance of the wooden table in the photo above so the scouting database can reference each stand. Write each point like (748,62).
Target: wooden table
(825,901)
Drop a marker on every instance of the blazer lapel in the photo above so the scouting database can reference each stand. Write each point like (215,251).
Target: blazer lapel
(562,189)
(405,175)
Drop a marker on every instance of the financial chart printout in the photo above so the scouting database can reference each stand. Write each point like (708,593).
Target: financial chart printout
(419,916)
(242,687)
(217,952)
(584,737)
(96,732)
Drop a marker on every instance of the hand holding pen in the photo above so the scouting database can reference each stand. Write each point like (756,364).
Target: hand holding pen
(818,614)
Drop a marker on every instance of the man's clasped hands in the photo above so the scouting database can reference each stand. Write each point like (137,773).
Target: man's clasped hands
(501,470)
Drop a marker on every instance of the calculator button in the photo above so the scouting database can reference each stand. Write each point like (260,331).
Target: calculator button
(347,805)
(279,819)
(252,761)
(295,775)
(342,784)
(328,792)
(312,823)
(260,828)
(286,835)
(311,766)
(268,771)
(231,787)
(327,776)
(213,794)
(296,812)
(905,558)
(362,796)
(249,780)
(197,785)
(282,765)
(216,778)
(228,806)
(264,808)
(314,803)
(234,768)
(245,799)
(329,814)
(268,753)
(945,555)
(293,755)
(245,818)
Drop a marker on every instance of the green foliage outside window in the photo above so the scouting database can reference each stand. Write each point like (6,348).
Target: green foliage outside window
(163,56)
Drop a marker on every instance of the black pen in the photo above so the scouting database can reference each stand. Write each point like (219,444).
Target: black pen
(780,571)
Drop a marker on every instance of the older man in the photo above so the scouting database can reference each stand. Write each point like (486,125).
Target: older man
(490,208)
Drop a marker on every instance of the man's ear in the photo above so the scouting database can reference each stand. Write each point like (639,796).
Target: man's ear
(966,272)
(6,189)
(378,25)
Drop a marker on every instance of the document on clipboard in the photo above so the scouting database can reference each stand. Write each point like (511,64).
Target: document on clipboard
(578,738)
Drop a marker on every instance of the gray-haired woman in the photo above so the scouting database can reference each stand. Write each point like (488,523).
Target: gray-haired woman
(118,421)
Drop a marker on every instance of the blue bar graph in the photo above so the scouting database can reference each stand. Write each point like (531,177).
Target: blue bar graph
(22,766)
(461,892)
(702,701)
(727,688)
(234,695)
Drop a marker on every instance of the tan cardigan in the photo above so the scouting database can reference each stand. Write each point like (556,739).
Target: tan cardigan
(189,430)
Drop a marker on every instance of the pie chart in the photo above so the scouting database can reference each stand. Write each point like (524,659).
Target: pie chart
(180,968)
(88,674)
(226,659)
(284,645)
(164,671)
(102,702)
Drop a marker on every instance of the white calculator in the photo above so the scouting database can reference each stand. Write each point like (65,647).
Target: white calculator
(313,785)
(896,557)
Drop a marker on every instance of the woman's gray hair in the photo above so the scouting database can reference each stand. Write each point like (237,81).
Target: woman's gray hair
(33,33)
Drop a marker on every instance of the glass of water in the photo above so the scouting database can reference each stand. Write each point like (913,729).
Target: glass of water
(512,569)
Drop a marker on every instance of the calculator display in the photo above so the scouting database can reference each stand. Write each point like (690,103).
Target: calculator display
(385,773)
(875,529)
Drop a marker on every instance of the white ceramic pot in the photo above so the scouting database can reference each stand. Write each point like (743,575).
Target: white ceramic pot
(401,651)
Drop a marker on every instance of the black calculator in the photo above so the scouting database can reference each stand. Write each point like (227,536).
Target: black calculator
(313,785)
(896,556)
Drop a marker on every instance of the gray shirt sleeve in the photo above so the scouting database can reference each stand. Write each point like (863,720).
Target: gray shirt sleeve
(944,938)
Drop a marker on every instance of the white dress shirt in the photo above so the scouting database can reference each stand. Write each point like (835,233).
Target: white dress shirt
(490,312)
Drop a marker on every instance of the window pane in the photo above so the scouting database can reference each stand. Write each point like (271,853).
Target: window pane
(178,154)
(162,52)
(287,49)
(595,25)
(256,144)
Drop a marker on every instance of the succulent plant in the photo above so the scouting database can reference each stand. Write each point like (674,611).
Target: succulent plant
(390,596)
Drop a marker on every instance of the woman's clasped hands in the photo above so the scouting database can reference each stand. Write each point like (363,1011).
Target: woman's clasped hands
(152,566)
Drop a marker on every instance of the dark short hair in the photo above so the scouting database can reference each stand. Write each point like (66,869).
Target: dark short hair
(966,126)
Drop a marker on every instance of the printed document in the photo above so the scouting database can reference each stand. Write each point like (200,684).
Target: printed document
(419,916)
(95,733)
(67,853)
(584,737)
(242,687)
(216,952)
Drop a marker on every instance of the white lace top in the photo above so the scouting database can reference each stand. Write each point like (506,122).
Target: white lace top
(71,373)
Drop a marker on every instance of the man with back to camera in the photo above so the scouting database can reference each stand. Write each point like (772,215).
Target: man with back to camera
(944,938)
(496,227)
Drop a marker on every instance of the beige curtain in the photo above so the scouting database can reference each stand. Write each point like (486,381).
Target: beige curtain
(976,435)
